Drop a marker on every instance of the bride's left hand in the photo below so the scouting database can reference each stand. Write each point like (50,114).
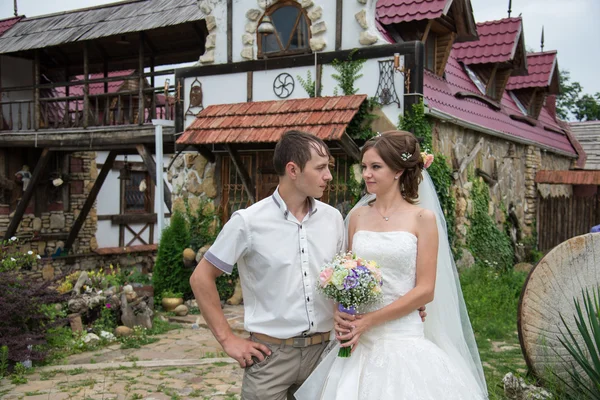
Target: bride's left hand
(360,325)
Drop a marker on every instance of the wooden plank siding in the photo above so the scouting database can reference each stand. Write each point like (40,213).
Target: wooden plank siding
(561,218)
(588,135)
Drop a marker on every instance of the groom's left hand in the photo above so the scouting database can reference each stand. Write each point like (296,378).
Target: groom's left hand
(422,313)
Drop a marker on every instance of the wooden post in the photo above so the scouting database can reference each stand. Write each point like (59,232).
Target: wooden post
(229,31)
(89,202)
(349,147)
(86,85)
(151,167)
(242,172)
(28,194)
(1,106)
(152,85)
(67,94)
(36,90)
(249,86)
(339,17)
(141,116)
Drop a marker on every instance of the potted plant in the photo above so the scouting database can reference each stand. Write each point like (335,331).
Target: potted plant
(171,299)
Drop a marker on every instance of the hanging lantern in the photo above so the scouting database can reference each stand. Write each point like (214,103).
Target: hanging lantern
(125,172)
(266,26)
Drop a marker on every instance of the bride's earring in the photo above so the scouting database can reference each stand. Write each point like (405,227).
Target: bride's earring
(396,178)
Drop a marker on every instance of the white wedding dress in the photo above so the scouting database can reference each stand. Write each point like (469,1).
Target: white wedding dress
(393,360)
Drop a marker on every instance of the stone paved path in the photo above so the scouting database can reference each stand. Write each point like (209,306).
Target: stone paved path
(184,364)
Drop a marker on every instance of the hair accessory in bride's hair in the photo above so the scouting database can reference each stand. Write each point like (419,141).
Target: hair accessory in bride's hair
(405,156)
(377,134)
(427,159)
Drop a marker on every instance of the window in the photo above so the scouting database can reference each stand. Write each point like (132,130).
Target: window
(518,103)
(291,34)
(430,51)
(478,82)
(136,201)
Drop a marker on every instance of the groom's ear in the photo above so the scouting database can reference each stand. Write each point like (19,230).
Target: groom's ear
(292,170)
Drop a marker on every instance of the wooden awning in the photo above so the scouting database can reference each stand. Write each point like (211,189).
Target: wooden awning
(266,121)
(579,177)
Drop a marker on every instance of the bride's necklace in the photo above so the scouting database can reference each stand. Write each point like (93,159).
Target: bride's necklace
(383,216)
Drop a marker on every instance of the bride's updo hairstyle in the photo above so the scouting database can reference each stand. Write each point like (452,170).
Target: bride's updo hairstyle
(400,151)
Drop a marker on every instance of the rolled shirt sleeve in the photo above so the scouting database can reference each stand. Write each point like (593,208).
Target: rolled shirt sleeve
(231,244)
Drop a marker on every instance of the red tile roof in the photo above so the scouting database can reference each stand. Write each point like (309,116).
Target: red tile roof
(569,177)
(498,42)
(266,121)
(440,93)
(6,24)
(540,68)
(396,11)
(97,88)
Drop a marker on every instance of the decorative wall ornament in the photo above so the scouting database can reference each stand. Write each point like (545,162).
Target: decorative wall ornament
(196,97)
(386,91)
(284,85)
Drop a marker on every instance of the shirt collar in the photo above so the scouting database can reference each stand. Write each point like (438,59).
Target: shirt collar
(312,204)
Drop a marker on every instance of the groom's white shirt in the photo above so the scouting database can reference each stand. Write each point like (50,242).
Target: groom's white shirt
(279,260)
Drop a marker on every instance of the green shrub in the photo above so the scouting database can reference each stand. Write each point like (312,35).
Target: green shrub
(488,244)
(169,271)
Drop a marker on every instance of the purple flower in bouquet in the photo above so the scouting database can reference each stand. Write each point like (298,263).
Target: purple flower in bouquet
(350,282)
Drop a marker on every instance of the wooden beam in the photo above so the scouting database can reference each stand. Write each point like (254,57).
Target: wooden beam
(144,151)
(229,31)
(492,80)
(249,86)
(318,78)
(242,172)
(28,194)
(141,116)
(339,17)
(350,147)
(427,29)
(205,152)
(89,202)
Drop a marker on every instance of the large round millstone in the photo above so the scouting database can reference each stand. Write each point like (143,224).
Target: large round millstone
(548,294)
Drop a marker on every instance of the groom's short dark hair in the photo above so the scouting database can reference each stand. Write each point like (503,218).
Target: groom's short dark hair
(294,146)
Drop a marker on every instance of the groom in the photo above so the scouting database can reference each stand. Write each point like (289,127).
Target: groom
(279,245)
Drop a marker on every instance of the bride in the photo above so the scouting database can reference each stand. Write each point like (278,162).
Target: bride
(394,355)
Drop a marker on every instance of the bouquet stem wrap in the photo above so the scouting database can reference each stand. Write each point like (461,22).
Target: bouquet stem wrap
(345,352)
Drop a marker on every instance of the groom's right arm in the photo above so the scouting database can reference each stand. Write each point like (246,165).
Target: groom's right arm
(231,244)
(204,287)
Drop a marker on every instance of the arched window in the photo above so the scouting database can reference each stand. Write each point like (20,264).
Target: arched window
(291,30)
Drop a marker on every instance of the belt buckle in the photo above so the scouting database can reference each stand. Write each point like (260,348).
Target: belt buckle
(301,342)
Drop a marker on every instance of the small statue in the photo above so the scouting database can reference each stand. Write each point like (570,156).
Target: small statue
(24,176)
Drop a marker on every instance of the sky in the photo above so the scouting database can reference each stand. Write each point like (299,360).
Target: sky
(569,26)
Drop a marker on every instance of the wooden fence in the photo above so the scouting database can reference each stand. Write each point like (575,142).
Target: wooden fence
(561,218)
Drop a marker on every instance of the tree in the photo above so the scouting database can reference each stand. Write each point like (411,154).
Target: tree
(571,103)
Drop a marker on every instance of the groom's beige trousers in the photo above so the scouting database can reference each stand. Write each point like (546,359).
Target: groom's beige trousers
(282,373)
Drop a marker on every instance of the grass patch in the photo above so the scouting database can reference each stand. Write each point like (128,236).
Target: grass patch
(492,298)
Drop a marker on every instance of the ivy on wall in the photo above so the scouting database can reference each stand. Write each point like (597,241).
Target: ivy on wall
(488,244)
(416,122)
(348,72)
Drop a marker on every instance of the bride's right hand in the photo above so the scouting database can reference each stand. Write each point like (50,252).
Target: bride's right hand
(343,322)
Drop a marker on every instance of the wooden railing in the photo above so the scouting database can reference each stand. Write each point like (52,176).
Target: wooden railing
(63,105)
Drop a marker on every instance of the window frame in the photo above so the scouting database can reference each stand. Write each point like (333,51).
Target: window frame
(148,196)
(284,49)
(431,41)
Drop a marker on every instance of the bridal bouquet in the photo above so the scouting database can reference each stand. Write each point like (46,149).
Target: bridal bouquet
(352,282)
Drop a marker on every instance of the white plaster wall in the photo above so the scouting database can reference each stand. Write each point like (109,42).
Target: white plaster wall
(108,202)
(329,11)
(240,7)
(220,14)
(217,89)
(16,72)
(263,83)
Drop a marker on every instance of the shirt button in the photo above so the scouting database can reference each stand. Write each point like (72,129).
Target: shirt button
(312,324)
(302,251)
(308,299)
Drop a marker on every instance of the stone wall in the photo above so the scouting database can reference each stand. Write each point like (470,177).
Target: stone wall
(48,268)
(192,178)
(513,166)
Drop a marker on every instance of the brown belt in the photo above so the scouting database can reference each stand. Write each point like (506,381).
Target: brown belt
(302,341)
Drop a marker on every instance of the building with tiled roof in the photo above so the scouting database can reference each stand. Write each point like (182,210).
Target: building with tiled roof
(491,102)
